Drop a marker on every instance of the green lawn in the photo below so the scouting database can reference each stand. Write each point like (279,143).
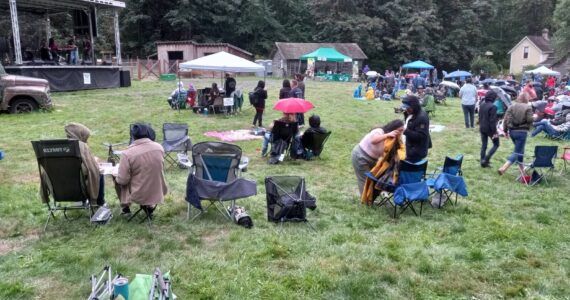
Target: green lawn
(504,240)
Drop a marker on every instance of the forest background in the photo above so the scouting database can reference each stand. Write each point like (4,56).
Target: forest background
(448,33)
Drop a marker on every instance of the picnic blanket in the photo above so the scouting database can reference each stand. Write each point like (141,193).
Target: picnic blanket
(233,135)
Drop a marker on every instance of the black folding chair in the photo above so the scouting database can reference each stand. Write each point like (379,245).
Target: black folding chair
(316,145)
(176,140)
(62,180)
(543,163)
(288,199)
(282,135)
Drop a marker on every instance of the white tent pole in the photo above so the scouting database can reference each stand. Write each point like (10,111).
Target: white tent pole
(89,14)
(16,32)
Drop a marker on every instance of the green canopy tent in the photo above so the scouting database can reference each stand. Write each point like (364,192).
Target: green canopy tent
(326,54)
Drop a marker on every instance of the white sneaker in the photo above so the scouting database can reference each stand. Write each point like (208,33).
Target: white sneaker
(281,157)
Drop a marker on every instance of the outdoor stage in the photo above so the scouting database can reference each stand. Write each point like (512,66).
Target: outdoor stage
(73,78)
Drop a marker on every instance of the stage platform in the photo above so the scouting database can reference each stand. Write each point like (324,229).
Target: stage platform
(72,78)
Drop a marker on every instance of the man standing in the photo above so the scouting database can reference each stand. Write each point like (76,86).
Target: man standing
(468,94)
(230,85)
(418,140)
(141,178)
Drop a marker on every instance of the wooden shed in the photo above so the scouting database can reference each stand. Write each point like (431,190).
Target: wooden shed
(170,52)
(286,56)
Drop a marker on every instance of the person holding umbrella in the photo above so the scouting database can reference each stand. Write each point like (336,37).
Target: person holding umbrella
(296,92)
(290,107)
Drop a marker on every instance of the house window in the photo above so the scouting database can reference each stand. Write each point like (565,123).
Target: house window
(525,52)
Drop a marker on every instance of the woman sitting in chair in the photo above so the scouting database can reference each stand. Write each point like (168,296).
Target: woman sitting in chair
(214,93)
(287,118)
(141,177)
(93,179)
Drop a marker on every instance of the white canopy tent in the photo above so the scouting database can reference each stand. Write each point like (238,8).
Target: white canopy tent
(543,71)
(223,62)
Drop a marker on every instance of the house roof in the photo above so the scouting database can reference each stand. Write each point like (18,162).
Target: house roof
(540,42)
(296,50)
(190,42)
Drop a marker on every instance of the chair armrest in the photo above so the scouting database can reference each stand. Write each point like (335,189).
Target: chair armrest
(371,177)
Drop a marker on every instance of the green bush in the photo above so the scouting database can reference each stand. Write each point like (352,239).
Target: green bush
(484,64)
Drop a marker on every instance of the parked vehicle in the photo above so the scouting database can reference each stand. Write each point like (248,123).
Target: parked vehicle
(21,94)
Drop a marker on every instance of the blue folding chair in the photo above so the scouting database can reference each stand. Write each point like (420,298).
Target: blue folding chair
(451,167)
(412,186)
(446,185)
(543,163)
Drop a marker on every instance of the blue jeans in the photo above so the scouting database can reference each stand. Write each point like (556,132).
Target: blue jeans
(519,139)
(543,125)
(265,142)
(469,115)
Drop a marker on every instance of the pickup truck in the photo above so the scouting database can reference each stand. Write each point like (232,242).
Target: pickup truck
(21,94)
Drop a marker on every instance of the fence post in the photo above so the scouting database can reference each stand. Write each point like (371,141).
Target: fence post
(138,68)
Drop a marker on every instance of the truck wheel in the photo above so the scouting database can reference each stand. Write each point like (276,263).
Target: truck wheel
(23,105)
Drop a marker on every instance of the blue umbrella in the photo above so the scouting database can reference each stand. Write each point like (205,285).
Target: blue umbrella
(418,64)
(458,73)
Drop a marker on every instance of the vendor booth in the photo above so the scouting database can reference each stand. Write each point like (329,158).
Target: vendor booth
(325,54)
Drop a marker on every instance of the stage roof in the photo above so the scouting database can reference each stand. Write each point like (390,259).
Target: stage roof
(54,6)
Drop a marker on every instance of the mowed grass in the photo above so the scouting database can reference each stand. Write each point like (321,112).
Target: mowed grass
(504,240)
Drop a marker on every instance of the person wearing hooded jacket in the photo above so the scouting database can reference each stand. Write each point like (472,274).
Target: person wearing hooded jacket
(418,139)
(140,178)
(93,179)
(488,127)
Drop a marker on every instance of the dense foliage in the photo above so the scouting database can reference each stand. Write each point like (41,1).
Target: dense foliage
(449,33)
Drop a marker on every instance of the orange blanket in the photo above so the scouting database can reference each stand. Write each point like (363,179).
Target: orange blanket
(381,166)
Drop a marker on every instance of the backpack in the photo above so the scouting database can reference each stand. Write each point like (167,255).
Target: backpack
(253,98)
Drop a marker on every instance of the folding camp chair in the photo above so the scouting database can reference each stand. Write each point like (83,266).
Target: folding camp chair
(565,156)
(412,186)
(61,177)
(216,177)
(543,164)
(560,136)
(175,141)
(452,167)
(288,199)
(217,105)
(282,135)
(315,148)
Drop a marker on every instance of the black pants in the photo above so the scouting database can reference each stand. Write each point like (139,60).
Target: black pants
(469,115)
(486,157)
(258,116)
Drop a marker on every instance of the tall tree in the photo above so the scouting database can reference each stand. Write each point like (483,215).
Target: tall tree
(562,24)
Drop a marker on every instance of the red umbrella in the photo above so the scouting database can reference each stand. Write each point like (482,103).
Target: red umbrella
(293,105)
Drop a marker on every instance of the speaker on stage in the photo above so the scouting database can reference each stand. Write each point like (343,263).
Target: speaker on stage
(125,78)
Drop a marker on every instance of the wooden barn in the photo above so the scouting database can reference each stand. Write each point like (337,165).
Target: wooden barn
(170,52)
(286,56)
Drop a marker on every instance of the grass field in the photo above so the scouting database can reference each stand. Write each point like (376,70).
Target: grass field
(504,240)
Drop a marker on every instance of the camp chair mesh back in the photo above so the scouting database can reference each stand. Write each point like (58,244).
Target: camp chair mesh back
(176,140)
(60,163)
(543,159)
(317,144)
(287,199)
